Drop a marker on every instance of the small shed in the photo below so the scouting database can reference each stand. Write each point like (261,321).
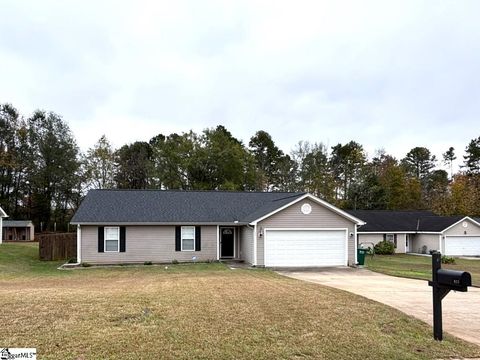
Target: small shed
(18,230)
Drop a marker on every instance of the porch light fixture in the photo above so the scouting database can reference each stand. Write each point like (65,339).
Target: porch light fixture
(261,232)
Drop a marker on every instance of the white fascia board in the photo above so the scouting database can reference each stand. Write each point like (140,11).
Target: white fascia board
(398,232)
(123,223)
(360,232)
(317,200)
(449,236)
(3,213)
(459,221)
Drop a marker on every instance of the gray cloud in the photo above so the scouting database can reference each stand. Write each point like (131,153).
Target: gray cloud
(387,74)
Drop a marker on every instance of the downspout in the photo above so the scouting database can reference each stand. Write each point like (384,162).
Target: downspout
(218,242)
(79,245)
(254,243)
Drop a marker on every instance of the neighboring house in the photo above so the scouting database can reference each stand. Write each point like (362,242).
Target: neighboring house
(271,229)
(3,214)
(18,230)
(420,231)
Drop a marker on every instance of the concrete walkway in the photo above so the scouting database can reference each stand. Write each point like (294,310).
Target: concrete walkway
(461,311)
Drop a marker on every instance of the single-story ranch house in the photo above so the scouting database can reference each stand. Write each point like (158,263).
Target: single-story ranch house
(420,231)
(271,229)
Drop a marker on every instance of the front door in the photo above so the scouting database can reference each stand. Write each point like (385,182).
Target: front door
(227,241)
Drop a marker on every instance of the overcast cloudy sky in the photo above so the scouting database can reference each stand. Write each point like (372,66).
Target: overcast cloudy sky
(388,74)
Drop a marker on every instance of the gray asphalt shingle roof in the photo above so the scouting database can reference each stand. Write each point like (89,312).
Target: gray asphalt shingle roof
(17,223)
(171,206)
(398,221)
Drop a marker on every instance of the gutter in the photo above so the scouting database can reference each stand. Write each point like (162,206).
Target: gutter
(106,223)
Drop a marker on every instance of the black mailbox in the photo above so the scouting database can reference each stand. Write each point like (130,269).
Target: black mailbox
(456,280)
(443,281)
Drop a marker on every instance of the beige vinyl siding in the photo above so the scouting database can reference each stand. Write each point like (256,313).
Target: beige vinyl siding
(432,241)
(368,239)
(246,244)
(147,243)
(292,217)
(471,230)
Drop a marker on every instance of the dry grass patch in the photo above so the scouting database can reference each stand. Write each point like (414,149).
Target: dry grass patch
(204,311)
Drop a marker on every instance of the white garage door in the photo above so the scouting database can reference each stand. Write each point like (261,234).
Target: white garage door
(462,245)
(305,248)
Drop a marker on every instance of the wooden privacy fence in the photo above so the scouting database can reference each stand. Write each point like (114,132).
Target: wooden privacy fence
(57,246)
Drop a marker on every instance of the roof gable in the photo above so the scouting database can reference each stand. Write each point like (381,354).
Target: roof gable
(321,202)
(3,213)
(456,225)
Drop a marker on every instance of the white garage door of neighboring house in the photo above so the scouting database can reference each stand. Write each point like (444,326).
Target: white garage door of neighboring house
(462,245)
(305,247)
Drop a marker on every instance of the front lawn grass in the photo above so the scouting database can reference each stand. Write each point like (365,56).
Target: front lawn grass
(418,267)
(204,311)
(20,260)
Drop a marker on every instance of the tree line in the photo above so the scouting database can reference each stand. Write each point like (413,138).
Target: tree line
(44,175)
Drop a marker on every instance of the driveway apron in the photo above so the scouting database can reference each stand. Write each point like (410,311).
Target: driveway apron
(461,311)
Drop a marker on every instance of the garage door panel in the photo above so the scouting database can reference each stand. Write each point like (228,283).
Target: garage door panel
(305,247)
(462,245)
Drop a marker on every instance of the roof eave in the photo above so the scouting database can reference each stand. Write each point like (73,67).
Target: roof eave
(398,232)
(145,223)
(329,206)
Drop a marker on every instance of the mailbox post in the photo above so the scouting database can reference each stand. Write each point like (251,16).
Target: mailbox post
(442,282)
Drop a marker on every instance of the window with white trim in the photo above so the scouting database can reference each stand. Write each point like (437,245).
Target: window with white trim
(392,238)
(188,238)
(112,239)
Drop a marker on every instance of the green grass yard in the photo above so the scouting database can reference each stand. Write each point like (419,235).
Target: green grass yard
(418,267)
(204,311)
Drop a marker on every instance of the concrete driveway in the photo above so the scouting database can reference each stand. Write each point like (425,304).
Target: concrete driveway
(461,311)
